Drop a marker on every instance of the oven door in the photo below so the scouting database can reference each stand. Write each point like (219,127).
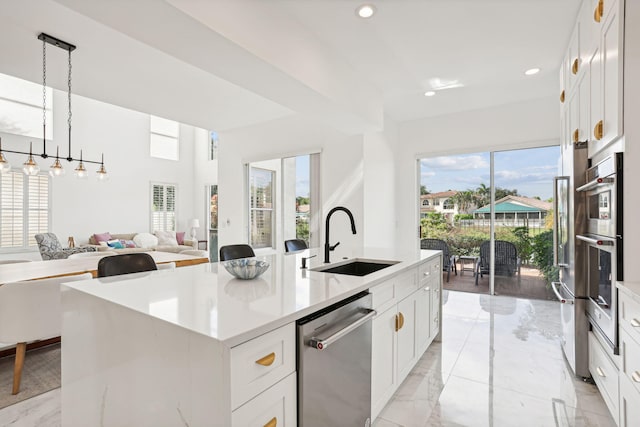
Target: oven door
(601,209)
(601,274)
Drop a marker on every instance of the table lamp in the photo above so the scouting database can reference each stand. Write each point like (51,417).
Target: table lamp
(195,223)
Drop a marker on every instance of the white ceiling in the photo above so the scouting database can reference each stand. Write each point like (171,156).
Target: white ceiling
(221,64)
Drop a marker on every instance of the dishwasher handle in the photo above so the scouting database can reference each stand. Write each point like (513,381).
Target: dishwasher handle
(322,343)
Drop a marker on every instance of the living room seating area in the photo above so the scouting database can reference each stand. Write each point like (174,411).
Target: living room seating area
(164,241)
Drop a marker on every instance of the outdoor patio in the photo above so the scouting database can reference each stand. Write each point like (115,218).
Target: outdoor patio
(531,285)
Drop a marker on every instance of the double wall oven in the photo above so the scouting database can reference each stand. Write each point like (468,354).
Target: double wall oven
(603,245)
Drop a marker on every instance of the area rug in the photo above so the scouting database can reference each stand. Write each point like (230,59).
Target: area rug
(40,374)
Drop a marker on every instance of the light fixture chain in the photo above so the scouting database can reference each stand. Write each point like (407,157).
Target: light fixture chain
(44,91)
(69,119)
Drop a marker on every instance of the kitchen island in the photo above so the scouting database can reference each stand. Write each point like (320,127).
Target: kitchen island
(197,347)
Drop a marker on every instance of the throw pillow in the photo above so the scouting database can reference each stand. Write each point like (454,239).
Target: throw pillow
(166,238)
(103,243)
(128,243)
(180,237)
(115,244)
(145,240)
(102,237)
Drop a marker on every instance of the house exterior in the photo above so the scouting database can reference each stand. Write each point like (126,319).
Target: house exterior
(515,211)
(439,202)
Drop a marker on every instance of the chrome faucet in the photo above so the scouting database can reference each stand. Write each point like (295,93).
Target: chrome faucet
(327,247)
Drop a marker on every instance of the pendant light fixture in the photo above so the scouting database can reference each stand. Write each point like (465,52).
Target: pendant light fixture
(5,166)
(30,167)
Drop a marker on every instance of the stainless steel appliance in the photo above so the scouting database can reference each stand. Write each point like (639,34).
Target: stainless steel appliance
(603,245)
(570,258)
(334,364)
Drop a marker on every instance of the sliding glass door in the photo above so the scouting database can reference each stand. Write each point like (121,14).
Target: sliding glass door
(494,212)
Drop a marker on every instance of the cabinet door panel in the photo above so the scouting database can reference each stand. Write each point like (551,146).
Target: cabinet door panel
(383,359)
(610,44)
(423,315)
(406,335)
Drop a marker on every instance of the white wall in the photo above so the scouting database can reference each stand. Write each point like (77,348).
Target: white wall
(380,187)
(527,124)
(122,204)
(341,174)
(205,174)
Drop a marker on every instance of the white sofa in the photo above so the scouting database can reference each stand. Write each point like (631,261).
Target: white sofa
(164,243)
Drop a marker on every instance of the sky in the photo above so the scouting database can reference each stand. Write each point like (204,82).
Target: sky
(302,176)
(530,171)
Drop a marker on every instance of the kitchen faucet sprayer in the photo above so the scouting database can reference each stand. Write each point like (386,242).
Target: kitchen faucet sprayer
(327,247)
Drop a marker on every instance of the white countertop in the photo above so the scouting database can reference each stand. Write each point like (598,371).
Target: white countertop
(632,288)
(207,299)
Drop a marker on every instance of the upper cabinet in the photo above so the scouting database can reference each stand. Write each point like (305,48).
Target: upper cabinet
(591,75)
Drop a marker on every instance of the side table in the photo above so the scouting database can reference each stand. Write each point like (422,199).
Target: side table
(465,261)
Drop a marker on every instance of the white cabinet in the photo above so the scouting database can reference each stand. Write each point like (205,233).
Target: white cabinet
(612,49)
(384,378)
(406,332)
(605,373)
(261,362)
(591,76)
(629,306)
(403,328)
(274,407)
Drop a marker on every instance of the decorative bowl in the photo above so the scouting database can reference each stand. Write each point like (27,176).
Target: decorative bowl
(246,268)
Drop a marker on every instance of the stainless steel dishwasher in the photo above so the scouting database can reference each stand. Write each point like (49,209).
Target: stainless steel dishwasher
(334,364)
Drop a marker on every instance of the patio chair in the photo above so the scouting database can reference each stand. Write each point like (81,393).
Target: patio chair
(235,251)
(507,262)
(50,247)
(448,260)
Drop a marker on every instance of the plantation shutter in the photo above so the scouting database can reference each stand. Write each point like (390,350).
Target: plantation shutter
(24,209)
(163,209)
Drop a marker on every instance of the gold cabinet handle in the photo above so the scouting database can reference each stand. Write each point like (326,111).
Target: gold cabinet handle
(636,376)
(273,422)
(399,321)
(600,372)
(574,67)
(267,360)
(562,96)
(576,134)
(599,11)
(598,130)
(635,323)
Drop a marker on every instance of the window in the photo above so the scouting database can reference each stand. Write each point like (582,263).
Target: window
(436,202)
(164,135)
(261,208)
(21,107)
(24,209)
(213,145)
(425,202)
(163,207)
(447,204)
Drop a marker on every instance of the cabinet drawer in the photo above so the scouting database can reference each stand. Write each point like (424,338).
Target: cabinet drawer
(382,295)
(630,315)
(261,362)
(630,351)
(275,407)
(428,270)
(405,284)
(604,373)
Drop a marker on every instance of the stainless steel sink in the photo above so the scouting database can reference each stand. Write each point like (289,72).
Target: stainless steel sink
(355,267)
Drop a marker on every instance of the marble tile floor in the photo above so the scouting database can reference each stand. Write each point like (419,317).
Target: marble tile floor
(499,364)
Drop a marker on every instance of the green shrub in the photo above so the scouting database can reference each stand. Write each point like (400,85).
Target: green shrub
(542,248)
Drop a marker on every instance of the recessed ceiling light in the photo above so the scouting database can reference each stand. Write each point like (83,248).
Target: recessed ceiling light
(532,71)
(366,11)
(429,93)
